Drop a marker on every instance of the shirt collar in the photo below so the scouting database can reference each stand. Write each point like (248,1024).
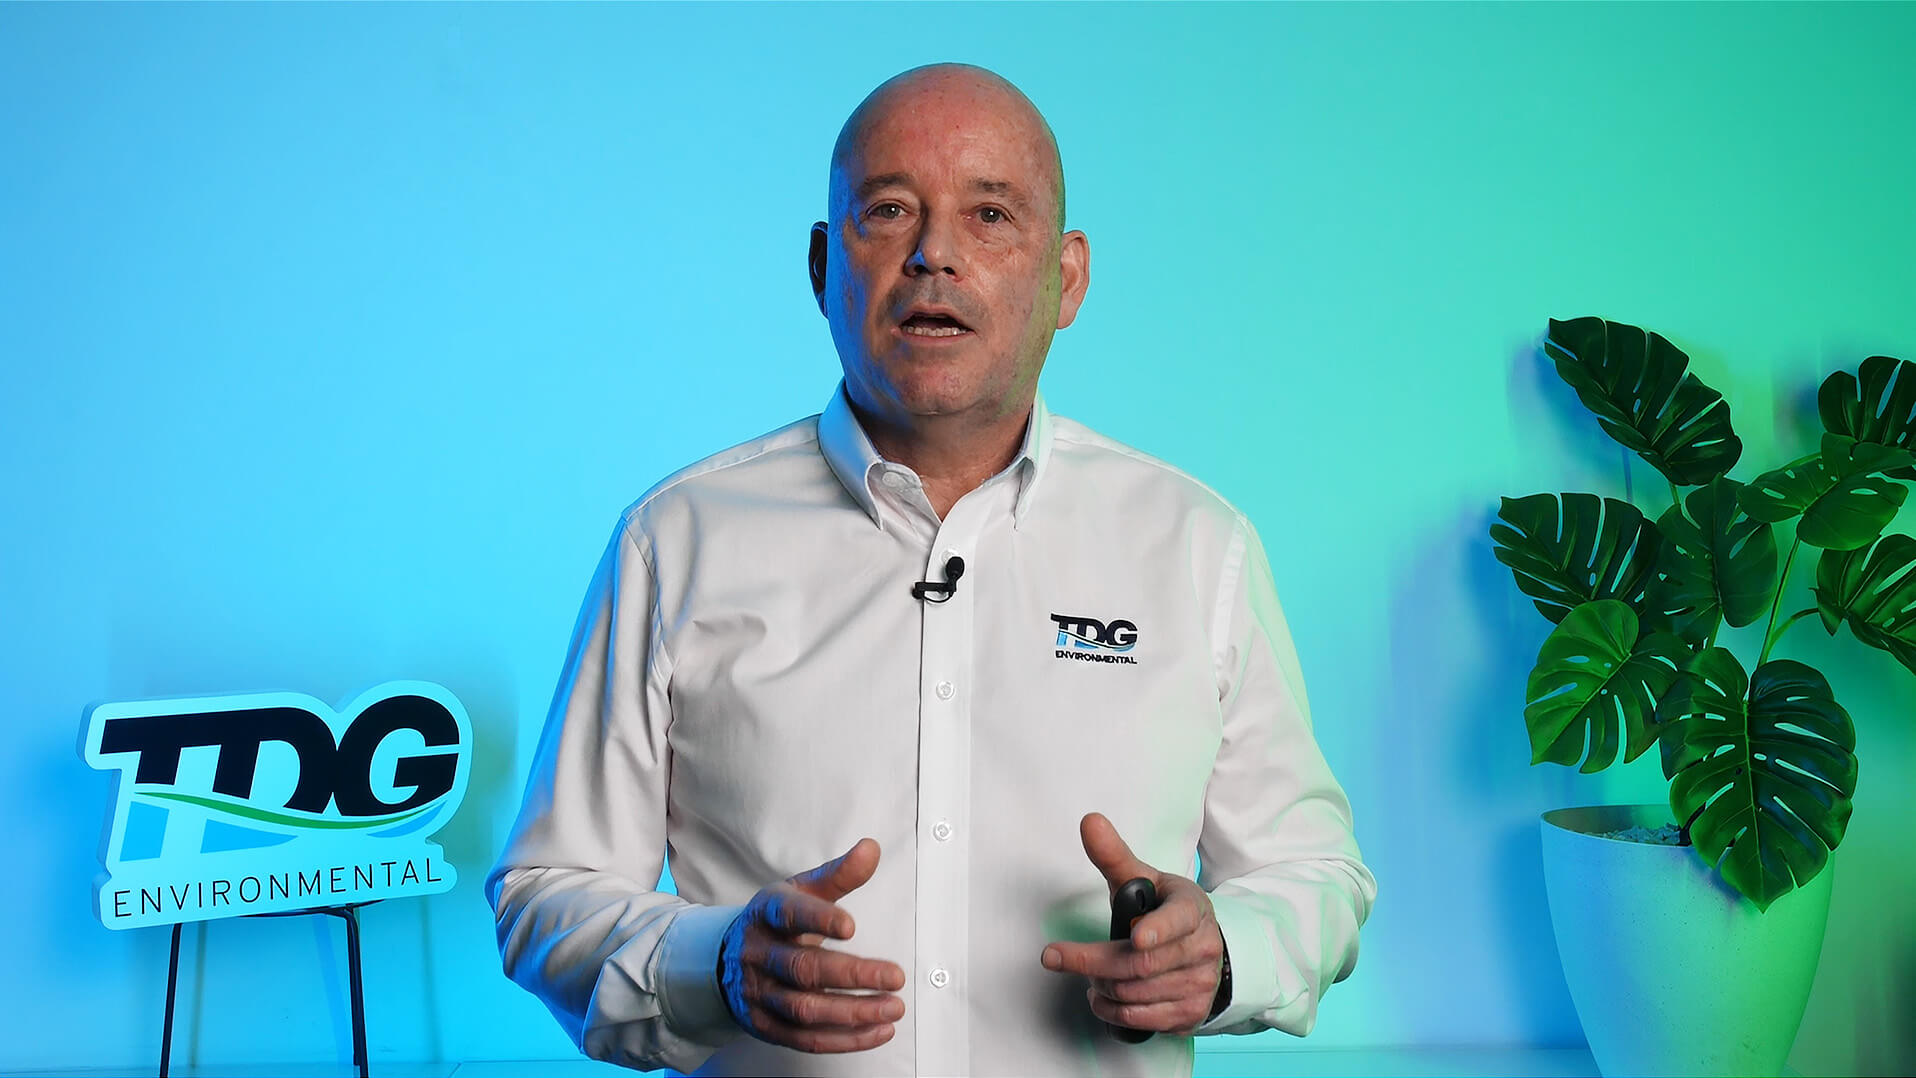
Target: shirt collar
(849,451)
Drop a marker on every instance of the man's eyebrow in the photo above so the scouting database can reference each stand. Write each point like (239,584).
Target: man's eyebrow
(874,184)
(1004,189)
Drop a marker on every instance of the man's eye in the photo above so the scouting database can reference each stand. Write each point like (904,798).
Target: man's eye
(887,211)
(991,215)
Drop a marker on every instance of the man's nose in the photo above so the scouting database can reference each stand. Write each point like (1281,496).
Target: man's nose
(936,250)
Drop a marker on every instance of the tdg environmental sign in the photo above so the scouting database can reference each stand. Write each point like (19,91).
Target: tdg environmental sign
(233,805)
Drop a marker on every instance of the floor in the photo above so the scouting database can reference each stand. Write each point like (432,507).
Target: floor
(1467,1062)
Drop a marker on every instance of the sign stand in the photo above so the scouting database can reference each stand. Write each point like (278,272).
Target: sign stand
(349,914)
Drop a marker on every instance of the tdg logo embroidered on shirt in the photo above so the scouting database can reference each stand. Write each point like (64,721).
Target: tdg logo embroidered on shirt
(1090,640)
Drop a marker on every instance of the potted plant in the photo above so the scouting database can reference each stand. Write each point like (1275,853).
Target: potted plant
(1689,932)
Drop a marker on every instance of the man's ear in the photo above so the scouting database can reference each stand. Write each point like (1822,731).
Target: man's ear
(1074,275)
(815,263)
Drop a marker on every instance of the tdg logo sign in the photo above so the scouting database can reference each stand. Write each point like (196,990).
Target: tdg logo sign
(234,805)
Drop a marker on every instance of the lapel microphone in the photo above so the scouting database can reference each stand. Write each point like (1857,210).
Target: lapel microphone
(925,589)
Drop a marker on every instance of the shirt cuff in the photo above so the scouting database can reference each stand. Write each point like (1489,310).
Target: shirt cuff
(689,995)
(1257,984)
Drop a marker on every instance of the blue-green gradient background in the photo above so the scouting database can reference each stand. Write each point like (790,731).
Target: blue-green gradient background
(335,337)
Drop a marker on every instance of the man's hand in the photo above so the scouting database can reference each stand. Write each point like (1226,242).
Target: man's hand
(1165,976)
(780,985)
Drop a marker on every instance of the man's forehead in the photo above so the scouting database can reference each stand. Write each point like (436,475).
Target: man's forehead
(961,122)
(945,131)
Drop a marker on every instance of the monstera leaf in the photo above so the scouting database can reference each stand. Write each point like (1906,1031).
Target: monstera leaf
(1593,678)
(1568,550)
(1719,563)
(1763,767)
(1639,387)
(1879,407)
(1874,590)
(1842,493)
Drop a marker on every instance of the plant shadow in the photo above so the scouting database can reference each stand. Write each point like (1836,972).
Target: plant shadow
(1462,641)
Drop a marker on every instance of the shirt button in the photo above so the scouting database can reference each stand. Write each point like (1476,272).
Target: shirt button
(940,978)
(944,690)
(941,830)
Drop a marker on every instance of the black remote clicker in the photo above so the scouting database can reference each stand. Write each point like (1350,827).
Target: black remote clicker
(1135,898)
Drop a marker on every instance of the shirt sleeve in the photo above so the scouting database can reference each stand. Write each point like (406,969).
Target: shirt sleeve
(1277,850)
(627,969)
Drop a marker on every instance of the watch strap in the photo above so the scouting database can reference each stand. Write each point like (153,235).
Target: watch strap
(1223,997)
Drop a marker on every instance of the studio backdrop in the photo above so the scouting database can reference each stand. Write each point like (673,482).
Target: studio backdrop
(333,339)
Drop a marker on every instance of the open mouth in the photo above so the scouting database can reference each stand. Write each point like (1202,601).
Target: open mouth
(933,324)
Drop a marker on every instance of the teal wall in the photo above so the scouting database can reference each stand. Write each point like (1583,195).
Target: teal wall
(334,337)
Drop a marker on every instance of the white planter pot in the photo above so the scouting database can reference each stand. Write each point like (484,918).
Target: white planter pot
(1672,971)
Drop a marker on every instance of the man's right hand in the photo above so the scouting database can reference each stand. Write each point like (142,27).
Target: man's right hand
(783,988)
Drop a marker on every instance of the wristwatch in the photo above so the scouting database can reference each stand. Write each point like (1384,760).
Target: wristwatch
(1223,998)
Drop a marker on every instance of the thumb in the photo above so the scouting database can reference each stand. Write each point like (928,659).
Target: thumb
(842,875)
(1109,852)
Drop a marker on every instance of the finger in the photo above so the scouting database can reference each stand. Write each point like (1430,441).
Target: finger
(842,875)
(768,1026)
(1182,913)
(1110,853)
(1163,988)
(1118,960)
(830,1010)
(816,967)
(1181,1016)
(789,912)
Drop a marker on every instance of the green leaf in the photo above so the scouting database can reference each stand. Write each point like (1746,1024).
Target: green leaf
(1763,767)
(1593,678)
(1874,590)
(1842,493)
(1879,407)
(1639,388)
(1567,550)
(1719,563)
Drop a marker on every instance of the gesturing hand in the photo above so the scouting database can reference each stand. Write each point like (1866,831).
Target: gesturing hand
(780,984)
(1164,977)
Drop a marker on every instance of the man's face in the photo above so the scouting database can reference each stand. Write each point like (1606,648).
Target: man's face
(944,271)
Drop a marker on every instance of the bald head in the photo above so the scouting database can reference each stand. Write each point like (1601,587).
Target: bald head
(981,93)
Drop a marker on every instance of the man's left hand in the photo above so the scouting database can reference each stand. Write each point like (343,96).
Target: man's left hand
(1165,976)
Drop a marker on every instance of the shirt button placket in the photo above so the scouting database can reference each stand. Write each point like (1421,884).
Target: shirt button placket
(944,801)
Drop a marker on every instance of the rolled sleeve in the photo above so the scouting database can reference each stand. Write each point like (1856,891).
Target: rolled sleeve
(626,969)
(1278,852)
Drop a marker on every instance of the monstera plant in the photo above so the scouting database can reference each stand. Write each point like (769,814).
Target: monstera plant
(1760,757)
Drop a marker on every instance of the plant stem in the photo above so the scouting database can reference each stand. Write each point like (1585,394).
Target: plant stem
(1785,627)
(1769,631)
(1674,497)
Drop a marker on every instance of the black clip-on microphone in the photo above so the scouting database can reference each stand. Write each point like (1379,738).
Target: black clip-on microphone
(1135,898)
(954,568)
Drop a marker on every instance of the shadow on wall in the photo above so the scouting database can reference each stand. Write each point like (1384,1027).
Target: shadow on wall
(1461,754)
(1895,1035)
(1552,425)
(470,843)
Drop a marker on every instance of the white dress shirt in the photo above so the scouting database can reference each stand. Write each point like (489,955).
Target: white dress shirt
(752,688)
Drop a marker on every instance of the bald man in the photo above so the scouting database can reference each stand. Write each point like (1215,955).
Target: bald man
(908,689)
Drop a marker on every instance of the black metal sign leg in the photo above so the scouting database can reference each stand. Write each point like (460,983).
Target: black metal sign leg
(172,990)
(354,975)
(351,915)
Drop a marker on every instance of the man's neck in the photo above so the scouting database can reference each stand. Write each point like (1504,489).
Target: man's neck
(952,455)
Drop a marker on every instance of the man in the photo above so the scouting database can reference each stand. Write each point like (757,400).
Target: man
(934,671)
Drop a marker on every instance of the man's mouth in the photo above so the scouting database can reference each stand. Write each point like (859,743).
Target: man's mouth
(922,324)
